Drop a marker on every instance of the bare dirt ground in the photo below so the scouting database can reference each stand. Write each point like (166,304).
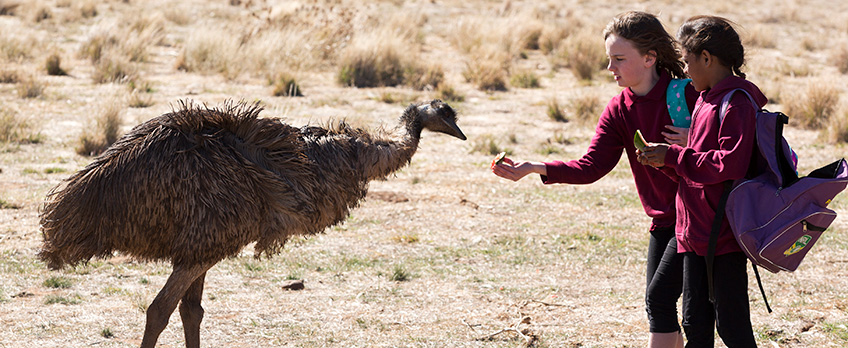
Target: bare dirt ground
(443,253)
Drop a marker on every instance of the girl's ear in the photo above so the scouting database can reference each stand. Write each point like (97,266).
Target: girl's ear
(650,58)
(707,57)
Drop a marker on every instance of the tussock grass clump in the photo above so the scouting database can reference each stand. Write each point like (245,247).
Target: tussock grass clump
(53,65)
(376,66)
(30,87)
(840,58)
(449,94)
(105,132)
(9,76)
(586,108)
(16,129)
(285,85)
(555,111)
(400,274)
(837,127)
(760,36)
(424,77)
(583,53)
(812,107)
(524,79)
(9,8)
(211,51)
(487,75)
(114,68)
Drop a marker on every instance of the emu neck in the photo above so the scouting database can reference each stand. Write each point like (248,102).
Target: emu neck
(387,153)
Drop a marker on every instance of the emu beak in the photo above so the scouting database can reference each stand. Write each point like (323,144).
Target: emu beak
(454,130)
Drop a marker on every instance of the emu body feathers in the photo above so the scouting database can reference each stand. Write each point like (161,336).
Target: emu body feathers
(197,185)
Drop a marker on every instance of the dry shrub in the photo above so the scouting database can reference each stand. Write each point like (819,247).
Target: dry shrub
(524,79)
(552,36)
(105,132)
(586,108)
(140,99)
(10,76)
(424,77)
(30,87)
(840,58)
(374,59)
(583,53)
(449,94)
(40,12)
(9,8)
(15,129)
(285,85)
(812,107)
(837,127)
(211,51)
(53,65)
(554,111)
(115,68)
(87,8)
(131,37)
(487,69)
(15,46)
(760,36)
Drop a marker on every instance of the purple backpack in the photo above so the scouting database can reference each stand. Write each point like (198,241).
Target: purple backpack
(776,216)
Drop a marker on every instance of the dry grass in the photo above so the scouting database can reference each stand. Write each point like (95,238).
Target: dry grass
(53,65)
(105,132)
(442,253)
(814,105)
(286,85)
(30,87)
(583,53)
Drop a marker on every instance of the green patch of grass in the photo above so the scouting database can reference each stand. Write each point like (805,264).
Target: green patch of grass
(555,111)
(54,170)
(7,205)
(111,290)
(107,333)
(58,299)
(58,282)
(400,274)
(253,267)
(405,238)
(447,93)
(524,79)
(487,144)
(838,331)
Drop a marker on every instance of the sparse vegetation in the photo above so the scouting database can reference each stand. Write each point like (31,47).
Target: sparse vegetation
(812,106)
(57,283)
(286,85)
(555,111)
(30,87)
(468,253)
(53,65)
(105,132)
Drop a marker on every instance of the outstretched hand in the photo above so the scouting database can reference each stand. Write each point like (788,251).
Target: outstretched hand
(676,135)
(653,154)
(508,169)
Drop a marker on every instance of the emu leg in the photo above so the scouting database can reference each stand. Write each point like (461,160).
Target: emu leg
(166,301)
(192,312)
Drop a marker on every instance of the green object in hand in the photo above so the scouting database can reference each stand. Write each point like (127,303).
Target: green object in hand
(639,141)
(500,158)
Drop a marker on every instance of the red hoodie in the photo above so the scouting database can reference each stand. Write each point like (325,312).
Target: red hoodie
(717,152)
(623,115)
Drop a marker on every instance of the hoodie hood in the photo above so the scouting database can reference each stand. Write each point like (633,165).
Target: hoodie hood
(714,95)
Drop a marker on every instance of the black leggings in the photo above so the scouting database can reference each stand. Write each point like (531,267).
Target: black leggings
(665,281)
(730,314)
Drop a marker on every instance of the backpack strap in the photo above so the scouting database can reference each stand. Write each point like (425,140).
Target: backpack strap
(722,204)
(675,99)
(711,248)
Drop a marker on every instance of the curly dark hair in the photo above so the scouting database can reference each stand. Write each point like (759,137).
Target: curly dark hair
(715,35)
(648,34)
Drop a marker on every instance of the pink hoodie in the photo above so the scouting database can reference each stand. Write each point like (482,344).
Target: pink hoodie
(717,152)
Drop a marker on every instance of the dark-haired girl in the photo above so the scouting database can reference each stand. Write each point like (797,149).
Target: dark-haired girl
(719,149)
(643,59)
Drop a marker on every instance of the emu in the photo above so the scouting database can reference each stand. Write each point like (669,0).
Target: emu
(196,185)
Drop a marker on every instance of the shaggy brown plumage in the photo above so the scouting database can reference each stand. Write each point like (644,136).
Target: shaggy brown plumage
(197,185)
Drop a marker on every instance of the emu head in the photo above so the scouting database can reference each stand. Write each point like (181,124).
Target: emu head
(436,116)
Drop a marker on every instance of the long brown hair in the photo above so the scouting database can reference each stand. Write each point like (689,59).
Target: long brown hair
(648,34)
(715,35)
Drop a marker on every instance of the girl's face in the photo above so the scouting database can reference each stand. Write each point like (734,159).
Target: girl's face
(629,67)
(696,69)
